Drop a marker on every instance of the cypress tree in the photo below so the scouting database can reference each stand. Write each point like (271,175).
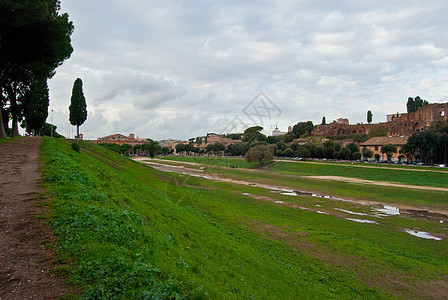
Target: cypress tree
(78,106)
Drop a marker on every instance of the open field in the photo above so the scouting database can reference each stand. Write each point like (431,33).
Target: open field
(207,231)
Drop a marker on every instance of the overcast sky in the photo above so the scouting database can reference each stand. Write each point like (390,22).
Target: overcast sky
(180,69)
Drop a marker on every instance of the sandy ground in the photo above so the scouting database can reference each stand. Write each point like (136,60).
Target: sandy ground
(25,263)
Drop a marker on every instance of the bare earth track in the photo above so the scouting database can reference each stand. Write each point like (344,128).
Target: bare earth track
(25,263)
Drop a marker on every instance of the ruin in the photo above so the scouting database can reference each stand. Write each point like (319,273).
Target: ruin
(396,125)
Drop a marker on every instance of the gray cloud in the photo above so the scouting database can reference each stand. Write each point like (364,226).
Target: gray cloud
(173,68)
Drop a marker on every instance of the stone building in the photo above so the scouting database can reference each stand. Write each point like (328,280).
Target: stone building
(376,143)
(396,125)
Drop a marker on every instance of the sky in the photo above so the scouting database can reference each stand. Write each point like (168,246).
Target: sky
(181,69)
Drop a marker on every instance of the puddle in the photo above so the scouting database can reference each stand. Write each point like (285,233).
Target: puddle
(422,234)
(386,210)
(351,212)
(246,194)
(322,212)
(379,210)
(289,194)
(361,221)
(278,202)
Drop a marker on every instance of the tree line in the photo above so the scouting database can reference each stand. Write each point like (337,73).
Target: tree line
(34,41)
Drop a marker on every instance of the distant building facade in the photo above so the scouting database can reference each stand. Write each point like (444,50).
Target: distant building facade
(376,143)
(120,139)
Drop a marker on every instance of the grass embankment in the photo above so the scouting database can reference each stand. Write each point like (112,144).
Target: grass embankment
(124,232)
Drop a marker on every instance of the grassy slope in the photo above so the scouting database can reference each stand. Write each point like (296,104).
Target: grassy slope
(130,234)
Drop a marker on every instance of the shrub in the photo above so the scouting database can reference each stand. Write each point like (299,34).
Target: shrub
(75,147)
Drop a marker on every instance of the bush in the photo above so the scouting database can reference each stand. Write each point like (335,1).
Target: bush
(75,147)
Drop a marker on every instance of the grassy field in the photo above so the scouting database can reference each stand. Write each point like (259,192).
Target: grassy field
(126,231)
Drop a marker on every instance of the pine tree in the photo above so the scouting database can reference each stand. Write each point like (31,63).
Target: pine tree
(78,106)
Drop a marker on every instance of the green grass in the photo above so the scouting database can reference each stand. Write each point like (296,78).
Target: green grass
(128,231)
(409,175)
(129,234)
(7,139)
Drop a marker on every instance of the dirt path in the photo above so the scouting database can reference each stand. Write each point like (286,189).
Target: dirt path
(25,263)
(380,183)
(216,177)
(417,169)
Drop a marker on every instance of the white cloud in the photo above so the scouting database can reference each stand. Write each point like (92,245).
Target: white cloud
(173,69)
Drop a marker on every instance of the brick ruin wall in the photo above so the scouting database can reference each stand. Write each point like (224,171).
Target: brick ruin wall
(404,124)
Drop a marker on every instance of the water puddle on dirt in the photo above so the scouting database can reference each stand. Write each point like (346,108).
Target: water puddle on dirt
(351,212)
(289,194)
(322,212)
(422,234)
(379,210)
(383,210)
(361,221)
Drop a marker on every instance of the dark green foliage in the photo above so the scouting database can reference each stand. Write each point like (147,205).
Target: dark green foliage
(78,106)
(261,154)
(353,147)
(324,121)
(367,153)
(234,136)
(344,153)
(47,131)
(369,117)
(253,134)
(301,129)
(35,40)
(75,147)
(112,147)
(389,150)
(237,149)
(36,109)
(423,146)
(413,104)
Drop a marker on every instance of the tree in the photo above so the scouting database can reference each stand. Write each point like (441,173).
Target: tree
(153,148)
(353,147)
(356,155)
(413,104)
(367,153)
(301,129)
(261,154)
(369,117)
(36,110)
(78,106)
(34,41)
(421,144)
(389,150)
(324,122)
(253,133)
(344,153)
